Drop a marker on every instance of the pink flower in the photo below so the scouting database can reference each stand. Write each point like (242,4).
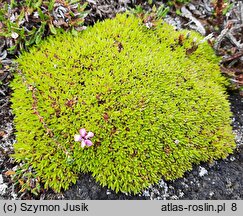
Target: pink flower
(82,132)
(89,135)
(84,137)
(77,138)
(88,143)
(83,144)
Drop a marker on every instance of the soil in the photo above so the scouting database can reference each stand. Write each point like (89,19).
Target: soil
(222,179)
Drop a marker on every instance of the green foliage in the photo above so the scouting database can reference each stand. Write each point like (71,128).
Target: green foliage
(179,1)
(26,179)
(154,98)
(158,11)
(162,11)
(26,23)
(169,2)
(137,10)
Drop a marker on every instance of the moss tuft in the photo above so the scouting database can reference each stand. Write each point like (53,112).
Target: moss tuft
(154,98)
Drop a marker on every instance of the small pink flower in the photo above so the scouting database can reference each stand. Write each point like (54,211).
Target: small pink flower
(89,135)
(77,138)
(88,143)
(83,144)
(84,137)
(82,132)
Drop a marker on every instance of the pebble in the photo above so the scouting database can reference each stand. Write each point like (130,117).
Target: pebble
(1,179)
(202,171)
(174,197)
(181,194)
(14,35)
(192,7)
(3,188)
(211,194)
(146,193)
(108,192)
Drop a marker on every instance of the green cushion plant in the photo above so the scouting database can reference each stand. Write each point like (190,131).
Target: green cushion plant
(153,100)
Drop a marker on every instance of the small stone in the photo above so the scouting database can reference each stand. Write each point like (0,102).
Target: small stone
(146,193)
(1,179)
(108,192)
(192,7)
(174,197)
(181,194)
(14,35)
(211,194)
(92,1)
(3,188)
(36,15)
(202,171)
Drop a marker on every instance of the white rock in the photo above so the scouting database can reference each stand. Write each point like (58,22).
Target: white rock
(3,188)
(92,1)
(202,171)
(108,192)
(1,178)
(211,193)
(146,193)
(174,197)
(181,194)
(14,35)
(36,15)
(192,7)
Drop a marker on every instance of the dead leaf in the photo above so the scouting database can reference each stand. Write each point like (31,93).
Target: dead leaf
(21,182)
(181,39)
(9,173)
(105,116)
(2,133)
(191,50)
(118,45)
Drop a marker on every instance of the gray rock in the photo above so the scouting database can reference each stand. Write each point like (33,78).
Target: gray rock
(3,188)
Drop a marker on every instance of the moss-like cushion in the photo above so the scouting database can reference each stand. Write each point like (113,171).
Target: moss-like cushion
(154,98)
